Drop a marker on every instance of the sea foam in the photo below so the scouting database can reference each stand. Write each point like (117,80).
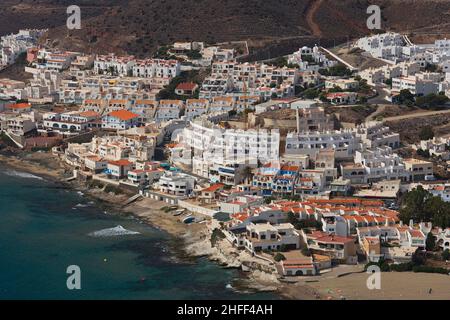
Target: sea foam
(112,232)
(25,175)
(82,205)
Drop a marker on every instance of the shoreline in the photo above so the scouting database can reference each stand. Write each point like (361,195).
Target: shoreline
(196,243)
(195,237)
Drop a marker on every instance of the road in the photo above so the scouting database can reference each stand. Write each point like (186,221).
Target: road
(381,96)
(417,115)
(312,24)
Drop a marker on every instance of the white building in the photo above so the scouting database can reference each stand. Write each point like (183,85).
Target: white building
(177,184)
(379,75)
(70,121)
(439,147)
(265,236)
(19,125)
(374,134)
(113,65)
(344,84)
(340,98)
(54,60)
(13,45)
(168,110)
(441,190)
(381,164)
(310,59)
(216,86)
(387,46)
(421,84)
(120,120)
(343,142)
(222,155)
(156,68)
(195,108)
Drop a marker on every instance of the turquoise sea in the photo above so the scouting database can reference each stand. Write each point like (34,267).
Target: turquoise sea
(45,228)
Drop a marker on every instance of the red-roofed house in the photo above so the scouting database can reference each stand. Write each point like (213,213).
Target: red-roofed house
(120,119)
(298,267)
(240,203)
(416,238)
(95,163)
(119,169)
(340,249)
(19,107)
(186,88)
(212,193)
(342,97)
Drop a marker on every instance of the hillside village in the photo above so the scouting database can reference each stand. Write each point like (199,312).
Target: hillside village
(210,134)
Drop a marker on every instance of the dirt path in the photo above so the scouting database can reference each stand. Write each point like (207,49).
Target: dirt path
(416,115)
(313,7)
(380,110)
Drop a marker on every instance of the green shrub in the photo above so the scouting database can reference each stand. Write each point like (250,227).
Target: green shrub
(95,184)
(402,267)
(216,235)
(113,189)
(278,257)
(428,269)
(382,264)
(446,254)
(306,252)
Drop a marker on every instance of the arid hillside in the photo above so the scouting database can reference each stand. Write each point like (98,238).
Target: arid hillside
(140,26)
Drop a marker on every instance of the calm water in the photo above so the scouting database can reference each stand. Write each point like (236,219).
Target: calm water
(44,229)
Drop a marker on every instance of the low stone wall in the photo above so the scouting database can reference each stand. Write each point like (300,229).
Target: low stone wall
(162,197)
(196,208)
(105,180)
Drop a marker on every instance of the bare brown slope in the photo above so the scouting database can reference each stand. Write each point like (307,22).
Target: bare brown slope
(311,19)
(140,26)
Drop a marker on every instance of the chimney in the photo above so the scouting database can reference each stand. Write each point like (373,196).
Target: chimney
(401,223)
(411,223)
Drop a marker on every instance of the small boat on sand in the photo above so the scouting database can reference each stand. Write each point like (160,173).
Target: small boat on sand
(189,219)
(178,212)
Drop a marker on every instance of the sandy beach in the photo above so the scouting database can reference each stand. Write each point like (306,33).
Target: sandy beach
(394,286)
(40,163)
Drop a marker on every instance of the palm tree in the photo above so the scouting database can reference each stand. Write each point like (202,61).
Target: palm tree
(248,173)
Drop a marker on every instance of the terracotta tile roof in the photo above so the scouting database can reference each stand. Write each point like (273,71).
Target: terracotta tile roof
(146,102)
(214,187)
(416,233)
(179,102)
(241,216)
(122,162)
(20,106)
(335,239)
(123,115)
(289,168)
(89,114)
(118,101)
(186,86)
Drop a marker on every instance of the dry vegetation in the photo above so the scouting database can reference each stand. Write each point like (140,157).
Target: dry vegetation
(353,114)
(140,26)
(409,128)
